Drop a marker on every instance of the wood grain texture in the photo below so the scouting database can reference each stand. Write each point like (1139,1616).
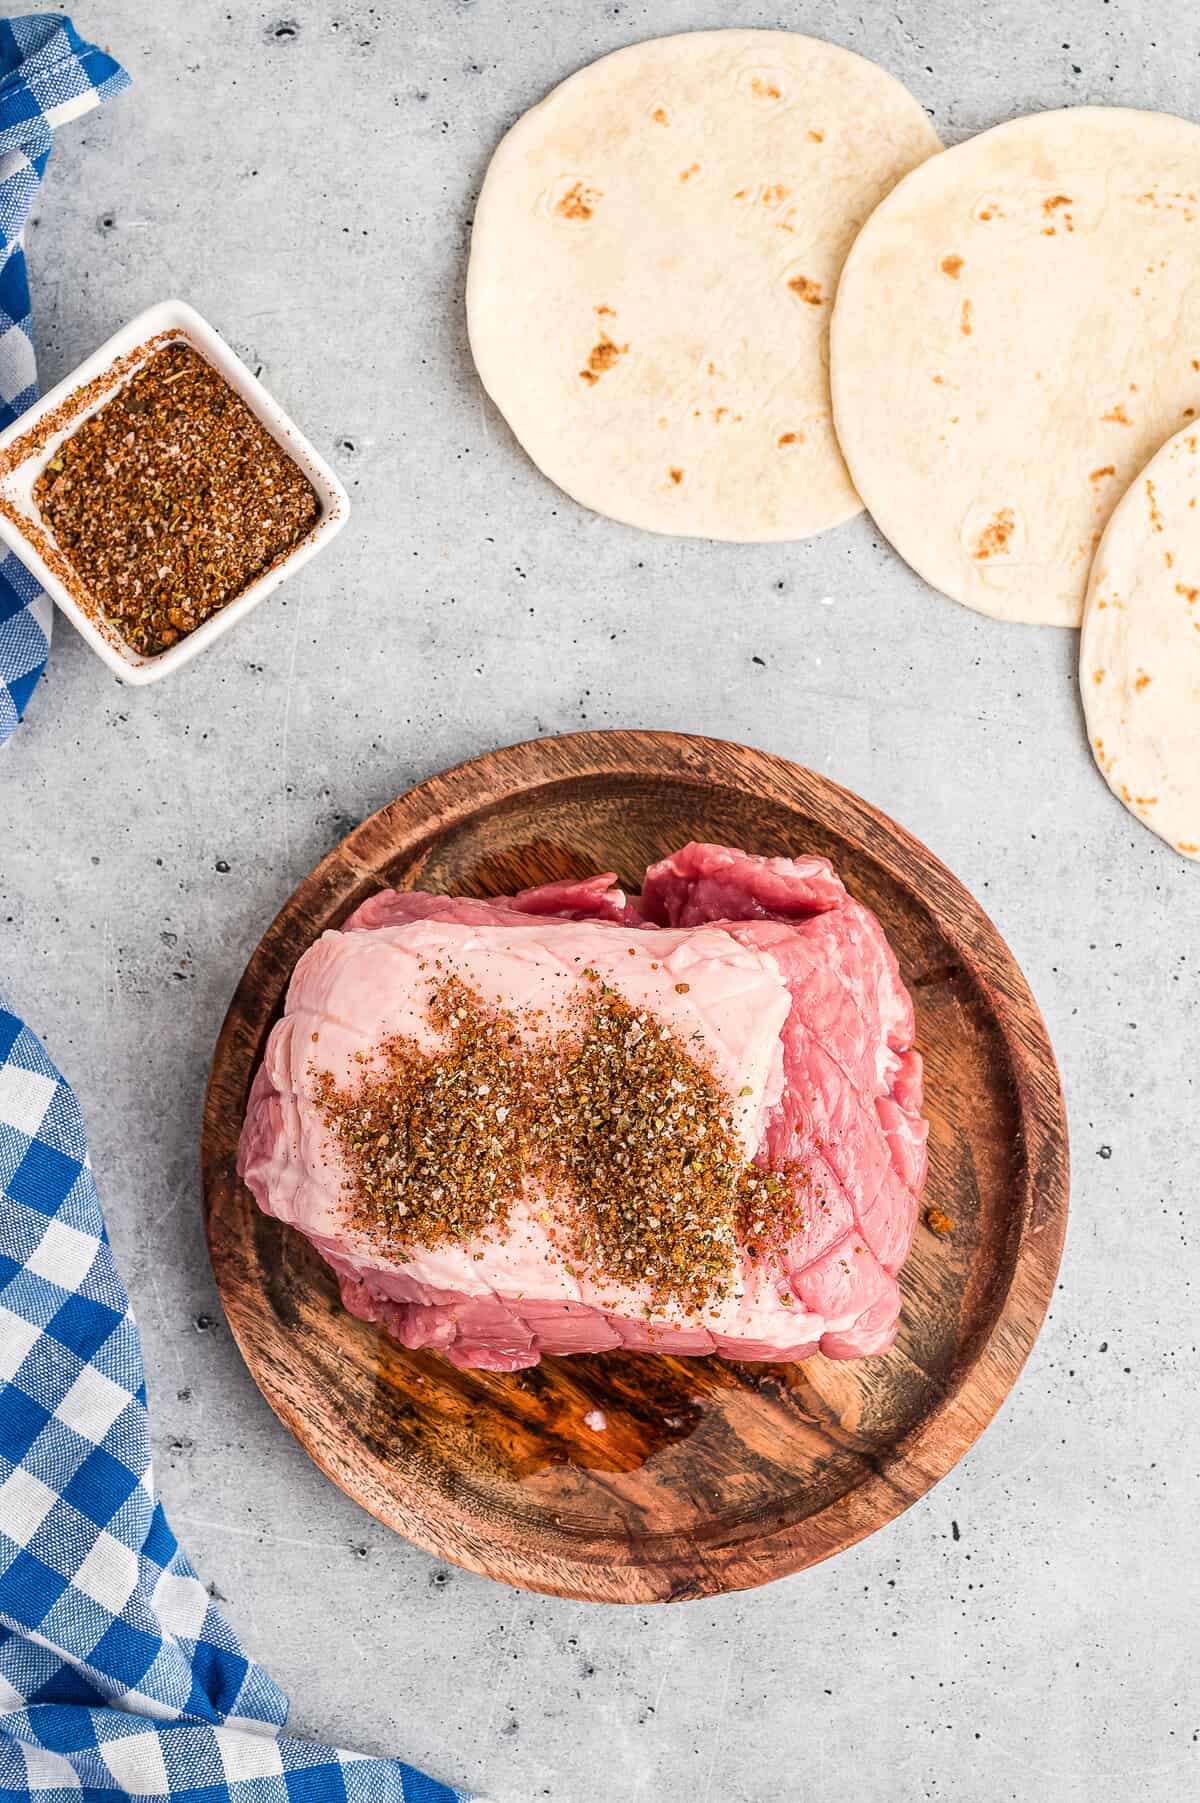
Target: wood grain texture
(709,1476)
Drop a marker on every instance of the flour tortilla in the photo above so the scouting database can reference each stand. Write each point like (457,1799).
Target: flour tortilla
(1017,331)
(1139,661)
(654,258)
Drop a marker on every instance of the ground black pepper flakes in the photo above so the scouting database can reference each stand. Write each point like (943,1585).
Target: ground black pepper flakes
(169,500)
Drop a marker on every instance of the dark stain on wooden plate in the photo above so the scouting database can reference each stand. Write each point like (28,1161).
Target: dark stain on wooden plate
(707,1476)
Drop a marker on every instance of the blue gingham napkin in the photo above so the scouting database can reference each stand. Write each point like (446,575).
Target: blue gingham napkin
(48,75)
(118,1677)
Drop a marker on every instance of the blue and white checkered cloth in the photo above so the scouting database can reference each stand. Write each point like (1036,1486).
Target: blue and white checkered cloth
(48,75)
(118,1677)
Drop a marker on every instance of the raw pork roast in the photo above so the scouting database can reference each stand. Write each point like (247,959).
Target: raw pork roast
(808,1027)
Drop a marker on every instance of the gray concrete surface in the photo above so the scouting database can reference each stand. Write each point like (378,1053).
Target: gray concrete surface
(306,177)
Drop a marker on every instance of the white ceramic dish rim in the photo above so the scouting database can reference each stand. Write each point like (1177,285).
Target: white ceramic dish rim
(178,319)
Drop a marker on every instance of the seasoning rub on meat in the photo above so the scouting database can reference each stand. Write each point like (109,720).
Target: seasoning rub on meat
(573,1120)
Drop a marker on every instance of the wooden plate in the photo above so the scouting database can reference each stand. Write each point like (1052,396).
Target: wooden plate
(708,1476)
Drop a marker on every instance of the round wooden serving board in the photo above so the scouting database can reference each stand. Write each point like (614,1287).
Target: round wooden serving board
(708,1476)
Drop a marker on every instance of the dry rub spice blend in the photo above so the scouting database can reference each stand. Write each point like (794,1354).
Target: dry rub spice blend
(171,499)
(613,1116)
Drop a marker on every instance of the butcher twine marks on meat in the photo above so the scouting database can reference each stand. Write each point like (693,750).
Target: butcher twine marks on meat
(572,1120)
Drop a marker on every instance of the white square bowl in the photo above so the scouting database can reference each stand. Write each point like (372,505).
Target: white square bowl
(167,322)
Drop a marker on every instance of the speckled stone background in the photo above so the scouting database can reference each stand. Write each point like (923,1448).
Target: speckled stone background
(306,178)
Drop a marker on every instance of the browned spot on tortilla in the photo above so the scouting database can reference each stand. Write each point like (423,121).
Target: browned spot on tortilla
(1126,797)
(774,195)
(1190,595)
(1146,801)
(1188,413)
(1116,416)
(940,380)
(1097,676)
(1155,515)
(685,175)
(1169,559)
(676,476)
(1051,206)
(964,323)
(605,312)
(995,536)
(952,266)
(789,438)
(807,290)
(659,115)
(603,355)
(1186,845)
(601,358)
(766,90)
(1142,681)
(818,137)
(740,193)
(578,202)
(1106,469)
